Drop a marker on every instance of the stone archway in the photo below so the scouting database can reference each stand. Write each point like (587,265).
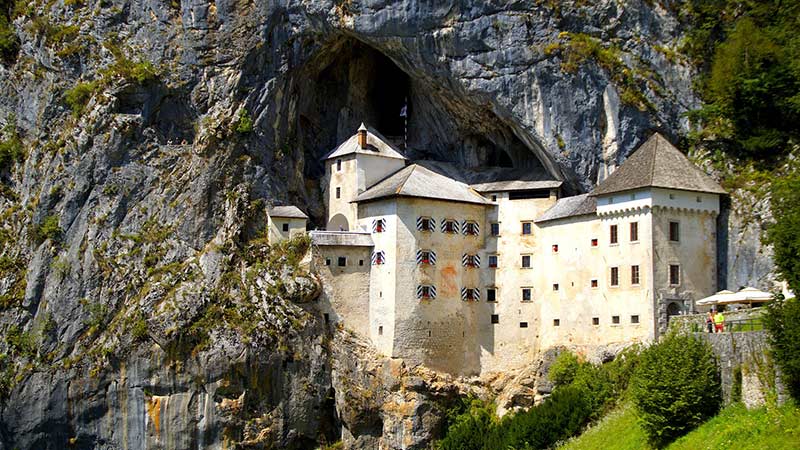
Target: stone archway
(338,223)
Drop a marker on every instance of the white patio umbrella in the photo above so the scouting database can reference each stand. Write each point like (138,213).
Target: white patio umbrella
(715,299)
(750,295)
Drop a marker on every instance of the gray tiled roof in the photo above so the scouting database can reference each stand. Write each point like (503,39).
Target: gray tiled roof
(417,181)
(290,211)
(345,238)
(577,205)
(515,185)
(657,163)
(376,145)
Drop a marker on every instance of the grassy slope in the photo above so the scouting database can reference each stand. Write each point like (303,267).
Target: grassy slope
(735,427)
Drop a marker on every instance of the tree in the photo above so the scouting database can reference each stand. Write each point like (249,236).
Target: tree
(783,323)
(676,387)
(784,233)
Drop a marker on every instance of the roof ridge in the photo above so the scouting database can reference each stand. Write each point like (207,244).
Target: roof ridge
(403,183)
(658,138)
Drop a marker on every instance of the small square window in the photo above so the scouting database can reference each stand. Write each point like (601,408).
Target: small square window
(594,242)
(470,295)
(526,227)
(495,229)
(493,261)
(672,196)
(612,238)
(379,226)
(556,322)
(471,228)
(338,192)
(555,248)
(635,319)
(285,227)
(555,286)
(450,226)
(615,320)
(526,261)
(426,257)
(495,318)
(327,261)
(595,321)
(523,324)
(341,261)
(472,261)
(491,294)
(594,283)
(425,224)
(526,294)
(615,276)
(360,262)
(699,199)
(426,292)
(494,198)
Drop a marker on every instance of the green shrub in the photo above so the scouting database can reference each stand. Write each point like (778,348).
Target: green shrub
(79,96)
(49,228)
(11,148)
(784,233)
(783,324)
(244,124)
(676,387)
(469,424)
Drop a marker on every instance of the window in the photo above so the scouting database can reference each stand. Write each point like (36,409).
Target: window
(491,294)
(674,231)
(595,321)
(494,198)
(470,294)
(342,261)
(380,330)
(674,274)
(426,257)
(526,227)
(426,291)
(286,227)
(556,323)
(529,193)
(555,286)
(378,258)
(634,275)
(426,224)
(526,261)
(338,192)
(615,320)
(612,239)
(555,248)
(615,276)
(470,260)
(523,324)
(594,242)
(594,283)
(450,226)
(526,294)
(699,200)
(327,261)
(495,318)
(379,225)
(493,261)
(471,228)
(338,165)
(360,262)
(634,231)
(635,319)
(495,229)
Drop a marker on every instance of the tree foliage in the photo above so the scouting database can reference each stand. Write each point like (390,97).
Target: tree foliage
(676,387)
(751,88)
(784,233)
(783,323)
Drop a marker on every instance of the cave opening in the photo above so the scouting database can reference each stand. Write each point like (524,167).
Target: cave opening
(348,82)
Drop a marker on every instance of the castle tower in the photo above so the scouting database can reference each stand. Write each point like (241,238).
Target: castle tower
(352,167)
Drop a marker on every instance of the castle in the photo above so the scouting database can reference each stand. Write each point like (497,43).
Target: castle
(475,278)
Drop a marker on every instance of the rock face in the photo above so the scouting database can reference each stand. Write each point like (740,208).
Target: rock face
(138,306)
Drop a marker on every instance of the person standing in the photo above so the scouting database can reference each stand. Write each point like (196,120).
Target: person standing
(710,321)
(719,322)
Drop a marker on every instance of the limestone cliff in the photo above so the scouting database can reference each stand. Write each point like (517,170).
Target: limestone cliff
(140,309)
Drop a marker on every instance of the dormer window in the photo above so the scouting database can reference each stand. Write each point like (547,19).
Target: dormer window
(426,224)
(426,257)
(379,225)
(425,291)
(450,226)
(473,261)
(470,294)
(378,258)
(471,228)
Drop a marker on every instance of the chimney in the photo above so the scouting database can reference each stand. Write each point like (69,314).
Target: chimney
(362,136)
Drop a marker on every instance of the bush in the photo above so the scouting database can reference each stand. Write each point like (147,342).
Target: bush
(469,424)
(11,149)
(783,324)
(676,387)
(79,96)
(784,233)
(49,228)
(244,124)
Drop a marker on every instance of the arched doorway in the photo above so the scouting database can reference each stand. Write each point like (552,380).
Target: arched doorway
(673,309)
(338,223)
